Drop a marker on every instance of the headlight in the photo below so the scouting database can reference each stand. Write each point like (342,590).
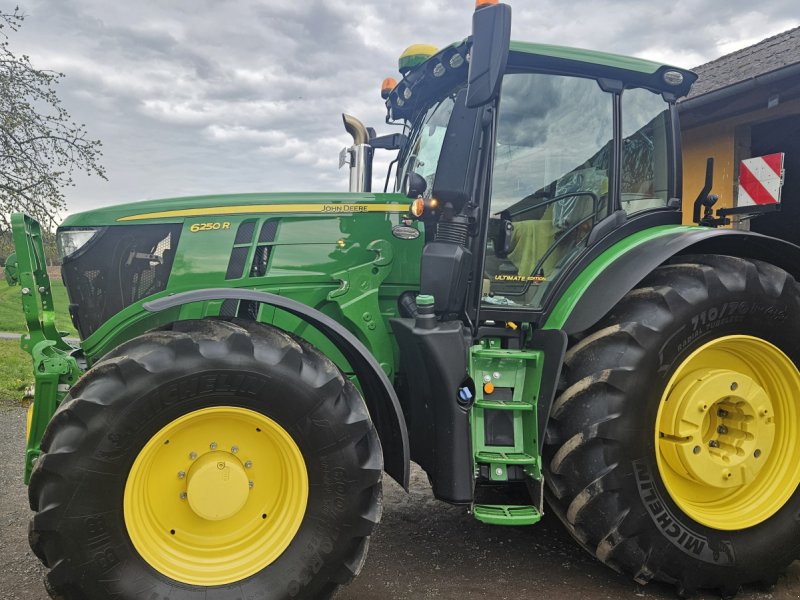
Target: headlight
(69,241)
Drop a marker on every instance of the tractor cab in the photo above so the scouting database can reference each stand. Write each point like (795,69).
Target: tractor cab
(571,147)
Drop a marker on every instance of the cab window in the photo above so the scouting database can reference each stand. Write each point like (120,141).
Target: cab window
(425,146)
(553,161)
(645,157)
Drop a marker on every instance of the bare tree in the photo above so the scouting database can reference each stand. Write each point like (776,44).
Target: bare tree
(40,145)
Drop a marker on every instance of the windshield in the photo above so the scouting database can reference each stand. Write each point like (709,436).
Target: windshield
(425,142)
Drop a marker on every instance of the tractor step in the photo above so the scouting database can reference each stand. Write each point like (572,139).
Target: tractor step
(504,514)
(504,416)
(508,458)
(502,405)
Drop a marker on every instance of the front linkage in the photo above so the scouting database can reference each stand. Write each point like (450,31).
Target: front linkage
(55,366)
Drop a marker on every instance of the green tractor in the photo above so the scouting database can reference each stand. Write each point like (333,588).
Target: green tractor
(524,316)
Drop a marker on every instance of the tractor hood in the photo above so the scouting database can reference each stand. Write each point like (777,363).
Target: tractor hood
(118,256)
(177,210)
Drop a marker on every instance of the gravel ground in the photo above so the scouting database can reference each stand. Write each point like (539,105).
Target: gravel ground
(422,549)
(15,336)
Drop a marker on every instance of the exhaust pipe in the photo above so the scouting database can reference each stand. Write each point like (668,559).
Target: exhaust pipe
(358,156)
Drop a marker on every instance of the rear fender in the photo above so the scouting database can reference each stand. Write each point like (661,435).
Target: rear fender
(615,274)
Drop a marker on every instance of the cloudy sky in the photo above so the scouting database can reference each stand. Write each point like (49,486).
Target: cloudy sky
(201,96)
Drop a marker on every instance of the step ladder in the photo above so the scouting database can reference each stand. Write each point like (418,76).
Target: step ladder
(505,426)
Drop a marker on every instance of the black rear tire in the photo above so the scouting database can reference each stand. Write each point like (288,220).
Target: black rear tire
(600,455)
(77,486)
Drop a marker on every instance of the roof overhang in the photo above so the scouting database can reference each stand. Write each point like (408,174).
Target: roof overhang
(754,93)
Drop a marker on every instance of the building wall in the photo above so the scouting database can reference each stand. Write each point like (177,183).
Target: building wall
(719,139)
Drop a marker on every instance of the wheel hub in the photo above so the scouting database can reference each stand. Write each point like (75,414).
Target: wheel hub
(717,428)
(217,486)
(216,495)
(727,430)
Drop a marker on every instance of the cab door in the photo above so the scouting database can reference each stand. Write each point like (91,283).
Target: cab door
(569,151)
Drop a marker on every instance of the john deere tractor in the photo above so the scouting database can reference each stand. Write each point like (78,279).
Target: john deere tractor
(523,315)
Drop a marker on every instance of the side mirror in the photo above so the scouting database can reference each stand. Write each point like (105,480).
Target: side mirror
(414,185)
(491,39)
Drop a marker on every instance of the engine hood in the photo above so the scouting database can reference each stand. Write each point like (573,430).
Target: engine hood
(175,210)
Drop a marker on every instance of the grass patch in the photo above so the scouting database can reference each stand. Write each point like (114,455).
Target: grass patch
(12,319)
(16,373)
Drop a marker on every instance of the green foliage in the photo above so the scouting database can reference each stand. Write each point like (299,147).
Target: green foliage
(40,145)
(12,319)
(16,374)
(48,241)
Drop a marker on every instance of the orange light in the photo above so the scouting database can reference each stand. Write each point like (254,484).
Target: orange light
(482,3)
(511,325)
(488,388)
(417,207)
(433,204)
(387,86)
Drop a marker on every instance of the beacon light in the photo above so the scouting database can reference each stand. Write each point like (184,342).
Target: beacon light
(387,86)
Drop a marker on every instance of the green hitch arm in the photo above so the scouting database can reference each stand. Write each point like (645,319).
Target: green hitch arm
(30,272)
(55,368)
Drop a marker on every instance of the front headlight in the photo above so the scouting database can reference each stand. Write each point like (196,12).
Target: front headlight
(69,241)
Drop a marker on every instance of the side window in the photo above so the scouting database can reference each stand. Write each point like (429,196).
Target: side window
(426,143)
(550,181)
(645,159)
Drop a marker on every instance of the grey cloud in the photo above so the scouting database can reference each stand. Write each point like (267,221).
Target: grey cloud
(204,96)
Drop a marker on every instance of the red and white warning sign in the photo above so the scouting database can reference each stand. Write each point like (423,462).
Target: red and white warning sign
(761,180)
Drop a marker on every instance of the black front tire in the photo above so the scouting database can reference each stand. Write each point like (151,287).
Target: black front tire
(77,486)
(600,456)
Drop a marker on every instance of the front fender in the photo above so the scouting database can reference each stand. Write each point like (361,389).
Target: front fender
(379,395)
(606,280)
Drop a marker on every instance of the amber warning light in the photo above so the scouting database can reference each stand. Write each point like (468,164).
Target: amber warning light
(417,207)
(482,3)
(387,86)
(420,206)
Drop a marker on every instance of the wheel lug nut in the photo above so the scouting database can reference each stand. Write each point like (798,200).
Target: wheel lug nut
(722,429)
(713,444)
(734,386)
(757,453)
(183,495)
(248,464)
(192,455)
(250,484)
(722,413)
(213,445)
(697,449)
(234,449)
(181,474)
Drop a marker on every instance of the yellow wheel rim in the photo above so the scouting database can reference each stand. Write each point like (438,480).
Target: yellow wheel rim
(727,433)
(216,496)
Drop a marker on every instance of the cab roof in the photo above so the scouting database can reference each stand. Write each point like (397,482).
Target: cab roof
(631,71)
